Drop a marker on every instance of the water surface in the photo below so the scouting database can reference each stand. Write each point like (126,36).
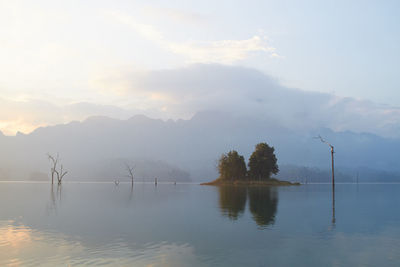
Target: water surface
(100,224)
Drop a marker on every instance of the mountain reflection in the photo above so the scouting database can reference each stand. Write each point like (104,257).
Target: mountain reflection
(263,203)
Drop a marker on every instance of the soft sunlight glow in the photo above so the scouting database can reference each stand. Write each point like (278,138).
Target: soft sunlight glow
(182,133)
(55,53)
(11,127)
(15,237)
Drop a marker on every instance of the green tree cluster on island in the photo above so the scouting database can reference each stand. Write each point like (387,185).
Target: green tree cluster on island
(262,163)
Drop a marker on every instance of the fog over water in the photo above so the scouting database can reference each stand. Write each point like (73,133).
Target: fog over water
(199,133)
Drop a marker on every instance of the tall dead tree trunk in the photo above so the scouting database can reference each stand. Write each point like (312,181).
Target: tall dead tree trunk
(54,162)
(333,177)
(130,172)
(61,174)
(54,172)
(332,159)
(333,166)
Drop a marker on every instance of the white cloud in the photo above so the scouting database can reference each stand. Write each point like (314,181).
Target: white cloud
(28,114)
(226,51)
(223,51)
(176,15)
(182,92)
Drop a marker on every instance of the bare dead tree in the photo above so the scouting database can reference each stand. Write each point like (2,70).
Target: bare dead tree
(332,158)
(61,173)
(130,171)
(54,162)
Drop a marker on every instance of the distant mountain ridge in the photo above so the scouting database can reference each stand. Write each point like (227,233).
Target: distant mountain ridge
(184,147)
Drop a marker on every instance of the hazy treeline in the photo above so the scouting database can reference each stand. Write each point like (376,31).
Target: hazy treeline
(97,147)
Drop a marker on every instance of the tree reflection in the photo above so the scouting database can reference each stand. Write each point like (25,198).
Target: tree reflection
(263,204)
(333,208)
(55,198)
(232,200)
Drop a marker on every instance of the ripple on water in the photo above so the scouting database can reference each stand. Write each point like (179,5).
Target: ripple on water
(20,245)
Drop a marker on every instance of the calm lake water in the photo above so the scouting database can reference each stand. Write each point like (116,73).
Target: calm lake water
(97,224)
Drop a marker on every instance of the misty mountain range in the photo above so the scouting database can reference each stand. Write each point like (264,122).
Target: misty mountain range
(183,92)
(184,150)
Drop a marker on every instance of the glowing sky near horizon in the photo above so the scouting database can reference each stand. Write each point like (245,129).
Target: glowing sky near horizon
(56,55)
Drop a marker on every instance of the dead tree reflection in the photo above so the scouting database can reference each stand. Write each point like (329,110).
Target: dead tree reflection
(55,199)
(333,210)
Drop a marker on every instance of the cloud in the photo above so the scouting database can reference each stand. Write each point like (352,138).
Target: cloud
(29,114)
(182,92)
(176,15)
(226,51)
(223,51)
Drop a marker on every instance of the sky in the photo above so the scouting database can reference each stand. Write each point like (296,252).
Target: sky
(67,60)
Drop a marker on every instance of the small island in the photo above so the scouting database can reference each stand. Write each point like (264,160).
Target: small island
(262,164)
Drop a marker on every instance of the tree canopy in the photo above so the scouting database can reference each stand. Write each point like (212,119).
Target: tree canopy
(231,166)
(262,162)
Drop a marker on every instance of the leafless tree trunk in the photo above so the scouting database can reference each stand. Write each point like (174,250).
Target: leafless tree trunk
(54,162)
(130,172)
(60,174)
(333,178)
(332,158)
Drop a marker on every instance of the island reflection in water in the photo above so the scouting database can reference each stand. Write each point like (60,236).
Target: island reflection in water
(92,224)
(263,203)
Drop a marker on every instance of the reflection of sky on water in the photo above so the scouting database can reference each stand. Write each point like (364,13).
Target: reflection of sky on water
(21,246)
(182,225)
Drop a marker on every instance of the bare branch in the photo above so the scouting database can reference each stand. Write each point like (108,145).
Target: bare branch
(323,141)
(54,161)
(63,173)
(130,171)
(60,174)
(333,166)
